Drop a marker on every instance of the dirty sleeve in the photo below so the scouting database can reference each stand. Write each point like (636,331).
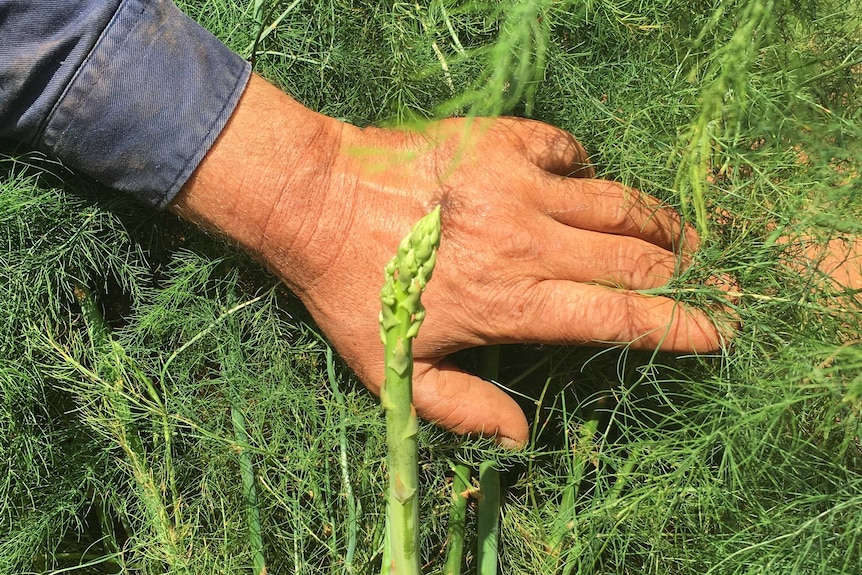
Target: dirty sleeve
(130,92)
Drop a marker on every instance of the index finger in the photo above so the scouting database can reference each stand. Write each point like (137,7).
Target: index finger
(548,148)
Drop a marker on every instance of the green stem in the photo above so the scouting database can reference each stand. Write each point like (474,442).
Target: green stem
(401,316)
(164,518)
(386,564)
(624,475)
(457,520)
(352,503)
(489,362)
(489,483)
(565,520)
(249,490)
(489,518)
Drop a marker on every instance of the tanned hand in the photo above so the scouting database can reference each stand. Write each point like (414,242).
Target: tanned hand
(533,250)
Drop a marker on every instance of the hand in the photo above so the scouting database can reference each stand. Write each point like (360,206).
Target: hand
(533,249)
(838,263)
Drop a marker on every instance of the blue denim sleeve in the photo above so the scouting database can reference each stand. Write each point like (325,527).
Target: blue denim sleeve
(131,92)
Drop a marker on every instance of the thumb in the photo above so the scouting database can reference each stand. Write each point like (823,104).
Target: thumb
(466,404)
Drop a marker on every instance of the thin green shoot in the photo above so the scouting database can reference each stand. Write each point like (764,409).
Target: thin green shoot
(490,498)
(461,493)
(353,505)
(246,469)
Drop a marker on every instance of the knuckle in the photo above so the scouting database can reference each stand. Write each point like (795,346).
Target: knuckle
(636,264)
(622,319)
(623,214)
(615,311)
(652,270)
(519,243)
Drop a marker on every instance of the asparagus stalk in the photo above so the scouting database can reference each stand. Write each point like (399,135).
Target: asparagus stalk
(488,518)
(566,518)
(401,316)
(457,519)
(246,471)
(489,484)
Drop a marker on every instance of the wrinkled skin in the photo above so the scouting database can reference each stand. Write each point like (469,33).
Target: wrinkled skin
(533,249)
(525,256)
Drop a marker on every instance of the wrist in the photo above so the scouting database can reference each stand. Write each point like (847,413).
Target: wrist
(264,182)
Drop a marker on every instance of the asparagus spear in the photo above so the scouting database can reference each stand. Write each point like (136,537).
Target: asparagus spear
(457,519)
(488,518)
(489,484)
(401,316)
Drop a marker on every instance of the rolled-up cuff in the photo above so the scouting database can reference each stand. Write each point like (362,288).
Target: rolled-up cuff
(147,103)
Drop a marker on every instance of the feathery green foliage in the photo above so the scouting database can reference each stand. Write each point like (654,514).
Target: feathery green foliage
(118,451)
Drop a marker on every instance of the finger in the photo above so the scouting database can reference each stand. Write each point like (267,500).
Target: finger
(620,261)
(610,207)
(466,404)
(561,312)
(839,262)
(550,148)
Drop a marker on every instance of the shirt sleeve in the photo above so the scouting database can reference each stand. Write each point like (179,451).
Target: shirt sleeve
(131,92)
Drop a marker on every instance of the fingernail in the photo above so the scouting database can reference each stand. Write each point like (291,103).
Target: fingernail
(510,443)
